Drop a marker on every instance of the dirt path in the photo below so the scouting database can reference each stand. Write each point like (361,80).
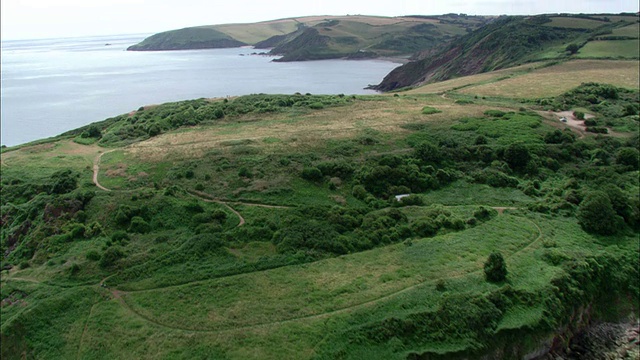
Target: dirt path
(96,169)
(206,198)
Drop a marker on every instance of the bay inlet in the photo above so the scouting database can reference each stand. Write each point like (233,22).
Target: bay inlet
(54,85)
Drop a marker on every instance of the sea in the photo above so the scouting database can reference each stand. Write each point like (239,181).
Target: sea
(50,86)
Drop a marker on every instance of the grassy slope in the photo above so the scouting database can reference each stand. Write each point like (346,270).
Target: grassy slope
(539,79)
(513,41)
(325,308)
(347,37)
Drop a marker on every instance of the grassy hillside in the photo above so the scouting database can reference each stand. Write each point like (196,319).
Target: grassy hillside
(541,79)
(266,227)
(362,38)
(188,38)
(512,41)
(321,37)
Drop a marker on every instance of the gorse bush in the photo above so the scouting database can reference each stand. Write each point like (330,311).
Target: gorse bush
(495,268)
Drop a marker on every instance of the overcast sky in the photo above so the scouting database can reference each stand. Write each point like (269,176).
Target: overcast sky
(25,19)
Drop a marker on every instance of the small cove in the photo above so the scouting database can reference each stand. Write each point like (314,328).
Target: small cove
(54,85)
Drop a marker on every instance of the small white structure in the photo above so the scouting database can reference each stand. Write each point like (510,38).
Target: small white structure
(399,197)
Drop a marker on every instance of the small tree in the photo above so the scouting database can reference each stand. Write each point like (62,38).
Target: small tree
(596,214)
(628,156)
(573,48)
(517,155)
(495,268)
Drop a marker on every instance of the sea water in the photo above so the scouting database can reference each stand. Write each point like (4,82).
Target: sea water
(54,85)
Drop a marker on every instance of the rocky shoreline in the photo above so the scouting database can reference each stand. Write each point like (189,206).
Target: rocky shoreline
(603,341)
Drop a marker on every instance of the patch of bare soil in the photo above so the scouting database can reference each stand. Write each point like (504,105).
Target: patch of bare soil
(572,121)
(40,148)
(120,170)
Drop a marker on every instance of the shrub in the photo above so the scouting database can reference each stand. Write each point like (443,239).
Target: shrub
(219,215)
(579,115)
(597,129)
(119,236)
(428,110)
(359,192)
(483,213)
(138,225)
(628,156)
(63,181)
(596,214)
(415,200)
(517,156)
(110,257)
(425,227)
(244,172)
(311,174)
(572,48)
(480,140)
(495,268)
(74,269)
(494,113)
(92,255)
(428,153)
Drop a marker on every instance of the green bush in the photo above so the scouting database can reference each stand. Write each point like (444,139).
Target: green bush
(111,256)
(596,214)
(428,110)
(495,268)
(119,237)
(93,255)
(311,174)
(139,225)
(597,129)
(628,156)
(494,113)
(425,227)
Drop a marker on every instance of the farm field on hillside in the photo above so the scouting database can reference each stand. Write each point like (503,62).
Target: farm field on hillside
(557,79)
(602,49)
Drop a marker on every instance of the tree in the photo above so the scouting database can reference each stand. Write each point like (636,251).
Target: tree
(428,153)
(596,214)
(628,156)
(573,48)
(517,156)
(495,268)
(63,181)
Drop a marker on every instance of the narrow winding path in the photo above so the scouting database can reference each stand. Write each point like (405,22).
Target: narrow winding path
(96,169)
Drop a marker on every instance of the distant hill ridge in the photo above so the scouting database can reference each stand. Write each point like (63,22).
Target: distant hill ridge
(323,37)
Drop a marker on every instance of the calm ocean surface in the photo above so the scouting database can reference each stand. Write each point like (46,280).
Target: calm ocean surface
(54,85)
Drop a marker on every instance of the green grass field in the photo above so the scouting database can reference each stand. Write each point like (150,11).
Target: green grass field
(574,23)
(554,80)
(631,30)
(616,49)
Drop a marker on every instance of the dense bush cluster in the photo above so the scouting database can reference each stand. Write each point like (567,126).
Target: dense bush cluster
(153,120)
